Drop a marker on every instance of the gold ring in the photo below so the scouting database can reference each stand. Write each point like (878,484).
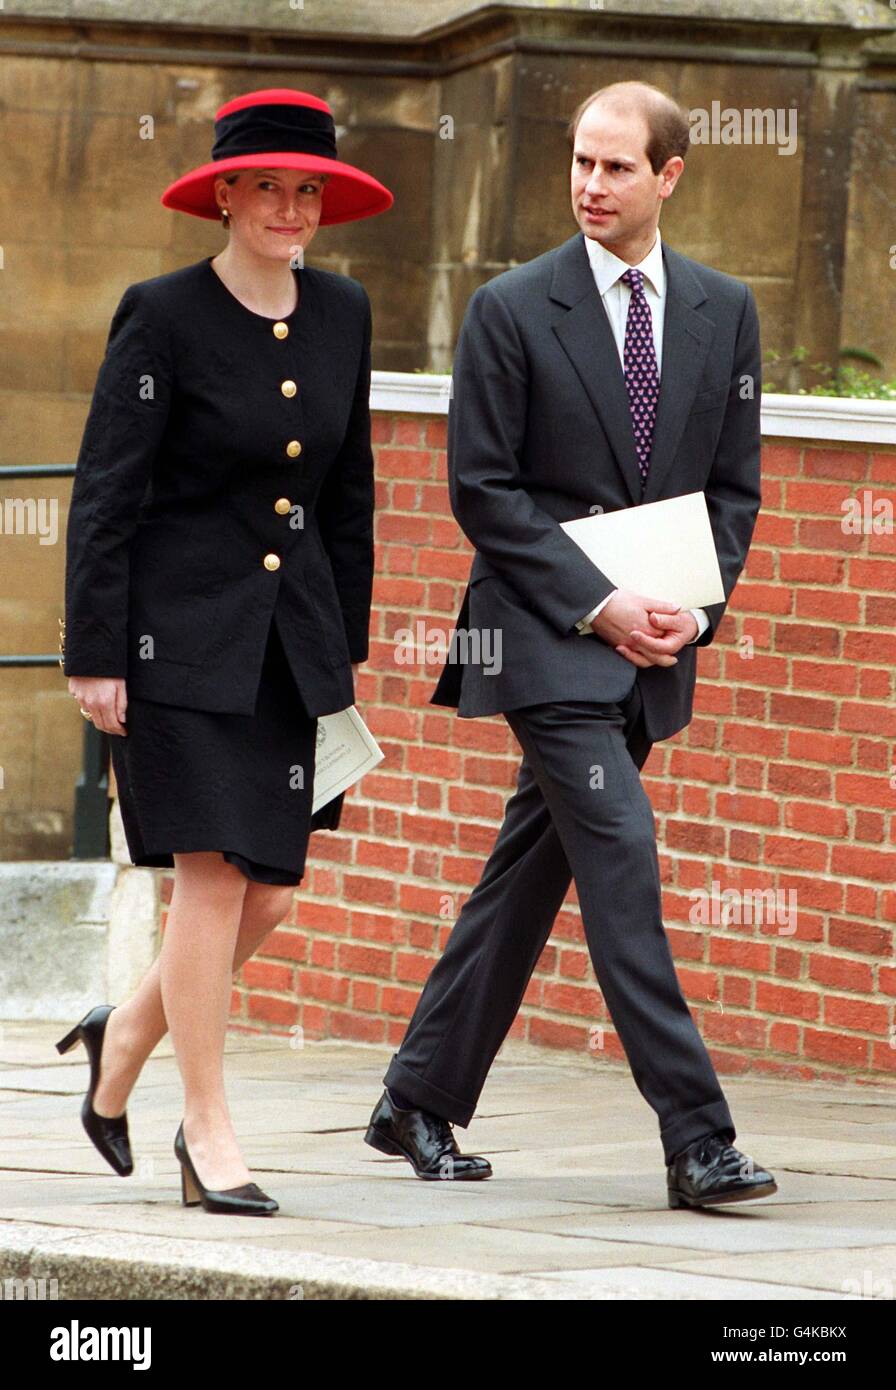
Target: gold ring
(86,714)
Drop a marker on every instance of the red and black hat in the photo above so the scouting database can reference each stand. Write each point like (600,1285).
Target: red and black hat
(279,128)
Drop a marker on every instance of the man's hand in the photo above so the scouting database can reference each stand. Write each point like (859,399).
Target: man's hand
(646,631)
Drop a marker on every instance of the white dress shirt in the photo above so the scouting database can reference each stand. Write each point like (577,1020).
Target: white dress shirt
(607,269)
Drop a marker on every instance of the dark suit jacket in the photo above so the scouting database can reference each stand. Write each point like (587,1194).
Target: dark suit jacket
(539,432)
(183,458)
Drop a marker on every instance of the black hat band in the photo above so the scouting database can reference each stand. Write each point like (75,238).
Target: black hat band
(273,127)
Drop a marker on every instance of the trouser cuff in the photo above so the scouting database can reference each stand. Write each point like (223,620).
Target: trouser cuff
(684,1129)
(427,1096)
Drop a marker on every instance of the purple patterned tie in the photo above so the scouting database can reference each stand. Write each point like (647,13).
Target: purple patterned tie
(639,366)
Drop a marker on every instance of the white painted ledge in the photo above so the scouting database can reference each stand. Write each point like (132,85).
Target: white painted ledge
(849,418)
(846,418)
(420,393)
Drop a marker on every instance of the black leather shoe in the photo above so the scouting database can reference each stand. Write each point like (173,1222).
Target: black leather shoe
(247,1200)
(108,1134)
(711,1172)
(425,1140)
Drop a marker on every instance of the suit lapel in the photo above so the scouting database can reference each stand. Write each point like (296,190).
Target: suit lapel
(587,339)
(686,339)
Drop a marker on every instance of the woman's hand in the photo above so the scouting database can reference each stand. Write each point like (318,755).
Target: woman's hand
(104,698)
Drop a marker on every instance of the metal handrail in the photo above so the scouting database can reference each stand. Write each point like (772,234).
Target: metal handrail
(91,800)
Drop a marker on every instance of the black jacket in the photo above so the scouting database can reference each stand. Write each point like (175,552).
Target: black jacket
(205,498)
(539,432)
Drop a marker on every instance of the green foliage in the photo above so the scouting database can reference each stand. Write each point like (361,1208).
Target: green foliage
(844,380)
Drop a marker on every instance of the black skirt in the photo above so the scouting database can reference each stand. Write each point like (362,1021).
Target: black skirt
(239,784)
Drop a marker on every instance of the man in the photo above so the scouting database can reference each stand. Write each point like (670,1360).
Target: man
(608,372)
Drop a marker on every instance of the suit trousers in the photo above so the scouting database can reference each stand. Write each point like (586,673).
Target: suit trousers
(579,812)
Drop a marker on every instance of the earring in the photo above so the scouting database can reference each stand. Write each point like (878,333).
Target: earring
(225,217)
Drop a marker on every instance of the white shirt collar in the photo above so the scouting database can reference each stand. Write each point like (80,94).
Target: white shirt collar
(607,268)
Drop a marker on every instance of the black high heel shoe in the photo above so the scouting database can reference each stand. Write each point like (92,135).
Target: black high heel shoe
(248,1200)
(107,1133)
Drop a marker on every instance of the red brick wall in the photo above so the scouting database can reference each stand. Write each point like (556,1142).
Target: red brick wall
(784,780)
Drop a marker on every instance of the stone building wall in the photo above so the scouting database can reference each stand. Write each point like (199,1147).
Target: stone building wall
(460,108)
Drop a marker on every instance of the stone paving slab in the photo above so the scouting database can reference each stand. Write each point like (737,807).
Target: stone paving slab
(576,1209)
(757,1226)
(854,1269)
(89,1265)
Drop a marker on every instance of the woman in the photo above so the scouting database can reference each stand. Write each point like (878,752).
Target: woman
(218,585)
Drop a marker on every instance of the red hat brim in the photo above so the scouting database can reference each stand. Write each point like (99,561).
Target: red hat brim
(349,195)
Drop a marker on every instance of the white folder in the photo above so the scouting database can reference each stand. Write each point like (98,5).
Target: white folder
(346,749)
(662,550)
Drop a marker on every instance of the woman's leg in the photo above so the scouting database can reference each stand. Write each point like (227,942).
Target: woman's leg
(138,1025)
(195,975)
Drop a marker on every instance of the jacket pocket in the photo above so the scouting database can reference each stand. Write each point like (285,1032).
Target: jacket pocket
(714,399)
(176,593)
(181,633)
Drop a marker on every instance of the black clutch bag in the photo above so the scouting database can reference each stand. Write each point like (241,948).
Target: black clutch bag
(328,817)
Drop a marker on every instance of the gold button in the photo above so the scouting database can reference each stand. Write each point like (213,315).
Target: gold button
(293,448)
(280,330)
(282,505)
(272,562)
(288,388)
